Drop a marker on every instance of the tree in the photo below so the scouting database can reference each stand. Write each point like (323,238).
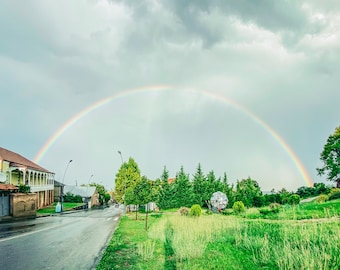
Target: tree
(103,198)
(126,179)
(182,190)
(246,191)
(199,186)
(212,185)
(228,190)
(166,192)
(330,156)
(143,193)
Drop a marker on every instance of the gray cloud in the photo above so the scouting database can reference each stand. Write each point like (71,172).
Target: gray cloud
(277,59)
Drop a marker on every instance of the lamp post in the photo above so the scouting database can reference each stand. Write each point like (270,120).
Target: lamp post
(62,187)
(121,157)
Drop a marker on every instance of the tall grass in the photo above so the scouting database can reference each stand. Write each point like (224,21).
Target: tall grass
(279,244)
(301,245)
(231,242)
(191,235)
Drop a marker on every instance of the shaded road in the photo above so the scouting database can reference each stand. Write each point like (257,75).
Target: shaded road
(68,241)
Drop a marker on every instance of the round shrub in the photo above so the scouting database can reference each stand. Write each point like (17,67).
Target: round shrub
(184,211)
(334,194)
(322,198)
(195,210)
(238,207)
(294,199)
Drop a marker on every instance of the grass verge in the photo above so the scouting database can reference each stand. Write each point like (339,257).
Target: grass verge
(51,209)
(226,242)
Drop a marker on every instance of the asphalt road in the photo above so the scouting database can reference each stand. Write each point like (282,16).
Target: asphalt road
(67,241)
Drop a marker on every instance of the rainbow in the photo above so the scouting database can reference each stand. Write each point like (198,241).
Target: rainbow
(123,94)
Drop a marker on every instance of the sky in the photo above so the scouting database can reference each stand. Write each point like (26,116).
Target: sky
(249,88)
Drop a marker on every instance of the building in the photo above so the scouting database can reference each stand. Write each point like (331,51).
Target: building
(89,194)
(17,170)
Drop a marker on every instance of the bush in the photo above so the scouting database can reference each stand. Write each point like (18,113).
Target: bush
(24,189)
(293,199)
(334,194)
(322,198)
(275,206)
(272,209)
(238,207)
(227,212)
(184,211)
(195,210)
(69,197)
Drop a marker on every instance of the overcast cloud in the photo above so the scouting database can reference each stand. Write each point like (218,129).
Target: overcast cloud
(278,59)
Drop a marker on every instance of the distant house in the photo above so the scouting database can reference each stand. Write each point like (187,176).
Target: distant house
(17,170)
(89,194)
(58,190)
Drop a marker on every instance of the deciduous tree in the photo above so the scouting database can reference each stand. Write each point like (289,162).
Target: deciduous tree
(247,190)
(330,156)
(126,179)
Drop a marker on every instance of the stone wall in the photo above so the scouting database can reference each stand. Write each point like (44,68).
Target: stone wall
(23,205)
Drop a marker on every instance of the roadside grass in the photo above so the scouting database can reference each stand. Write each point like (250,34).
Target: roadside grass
(67,206)
(131,248)
(286,241)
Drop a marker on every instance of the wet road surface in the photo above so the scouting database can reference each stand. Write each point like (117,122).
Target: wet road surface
(67,241)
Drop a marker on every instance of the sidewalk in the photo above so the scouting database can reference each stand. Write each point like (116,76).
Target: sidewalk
(8,219)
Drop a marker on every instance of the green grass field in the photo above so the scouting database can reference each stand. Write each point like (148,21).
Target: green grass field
(301,237)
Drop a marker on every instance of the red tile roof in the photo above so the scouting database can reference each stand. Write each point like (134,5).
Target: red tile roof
(171,180)
(8,187)
(17,160)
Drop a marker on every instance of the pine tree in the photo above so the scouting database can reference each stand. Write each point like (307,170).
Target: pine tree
(166,193)
(228,190)
(199,186)
(183,190)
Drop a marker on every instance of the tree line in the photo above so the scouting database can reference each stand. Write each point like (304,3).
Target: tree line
(132,188)
(183,191)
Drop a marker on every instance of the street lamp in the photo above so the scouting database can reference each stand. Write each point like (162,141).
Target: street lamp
(121,157)
(62,187)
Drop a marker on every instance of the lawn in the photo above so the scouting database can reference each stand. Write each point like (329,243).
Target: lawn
(51,209)
(229,242)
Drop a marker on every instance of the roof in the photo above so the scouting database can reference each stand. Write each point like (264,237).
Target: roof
(17,160)
(80,190)
(171,180)
(8,187)
(58,184)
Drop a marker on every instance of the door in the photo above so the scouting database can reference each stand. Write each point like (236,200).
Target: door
(4,205)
